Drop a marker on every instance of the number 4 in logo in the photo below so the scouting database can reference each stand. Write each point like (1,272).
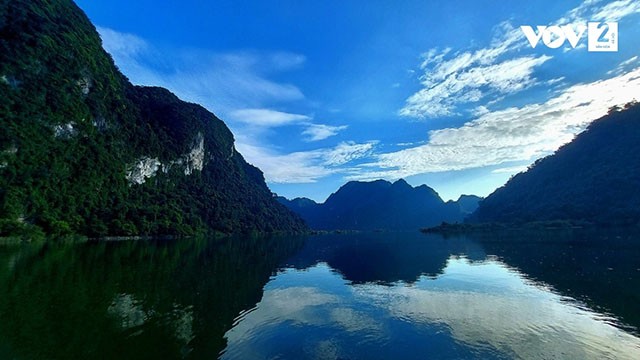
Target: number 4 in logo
(603,36)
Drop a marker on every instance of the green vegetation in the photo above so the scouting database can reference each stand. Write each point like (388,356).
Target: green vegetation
(131,299)
(593,179)
(72,128)
(492,227)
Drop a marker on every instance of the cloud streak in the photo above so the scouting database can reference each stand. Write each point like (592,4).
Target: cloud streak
(513,134)
(266,117)
(260,119)
(305,166)
(220,81)
(464,79)
(238,85)
(616,10)
(481,83)
(450,80)
(317,132)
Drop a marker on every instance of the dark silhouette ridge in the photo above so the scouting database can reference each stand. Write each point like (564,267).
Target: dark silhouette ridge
(595,178)
(380,205)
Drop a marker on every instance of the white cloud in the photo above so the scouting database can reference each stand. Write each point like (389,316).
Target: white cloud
(595,10)
(316,132)
(121,44)
(469,77)
(303,166)
(266,117)
(510,170)
(405,144)
(513,134)
(218,81)
(346,152)
(625,66)
(480,110)
(286,60)
(616,10)
(451,79)
(480,79)
(237,86)
(555,80)
(285,303)
(292,168)
(630,61)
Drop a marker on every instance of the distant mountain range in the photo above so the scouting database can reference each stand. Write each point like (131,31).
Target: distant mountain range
(381,205)
(83,151)
(594,178)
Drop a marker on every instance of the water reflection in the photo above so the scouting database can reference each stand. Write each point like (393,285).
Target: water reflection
(375,296)
(471,310)
(600,267)
(384,257)
(489,305)
(434,302)
(131,299)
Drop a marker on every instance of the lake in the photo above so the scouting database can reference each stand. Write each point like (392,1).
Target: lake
(552,294)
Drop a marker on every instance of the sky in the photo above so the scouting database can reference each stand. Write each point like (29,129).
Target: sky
(445,93)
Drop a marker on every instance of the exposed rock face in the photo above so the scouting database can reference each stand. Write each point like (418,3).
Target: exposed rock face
(85,85)
(143,169)
(148,167)
(65,131)
(194,160)
(90,142)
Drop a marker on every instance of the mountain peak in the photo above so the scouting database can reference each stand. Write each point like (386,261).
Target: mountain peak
(402,184)
(378,205)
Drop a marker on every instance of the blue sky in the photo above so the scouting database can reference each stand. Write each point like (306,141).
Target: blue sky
(317,93)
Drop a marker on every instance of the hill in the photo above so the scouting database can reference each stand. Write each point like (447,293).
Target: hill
(83,151)
(380,205)
(594,178)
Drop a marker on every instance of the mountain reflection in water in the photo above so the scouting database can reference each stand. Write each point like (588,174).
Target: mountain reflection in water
(535,294)
(405,295)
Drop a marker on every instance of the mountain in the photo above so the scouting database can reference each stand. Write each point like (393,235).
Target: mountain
(379,205)
(83,151)
(594,178)
(467,203)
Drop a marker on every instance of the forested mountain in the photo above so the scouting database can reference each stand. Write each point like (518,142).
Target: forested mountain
(84,151)
(380,205)
(595,178)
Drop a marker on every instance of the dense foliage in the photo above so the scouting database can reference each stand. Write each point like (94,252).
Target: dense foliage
(381,205)
(595,178)
(72,128)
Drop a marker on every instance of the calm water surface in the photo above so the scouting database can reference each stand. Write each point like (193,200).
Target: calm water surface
(513,295)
